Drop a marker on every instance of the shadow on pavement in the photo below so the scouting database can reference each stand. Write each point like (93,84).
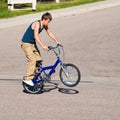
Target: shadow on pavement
(86,81)
(3,79)
(49,88)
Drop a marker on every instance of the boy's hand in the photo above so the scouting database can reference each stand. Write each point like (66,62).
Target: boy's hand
(59,43)
(45,48)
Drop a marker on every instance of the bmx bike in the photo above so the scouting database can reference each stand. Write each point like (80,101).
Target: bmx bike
(69,73)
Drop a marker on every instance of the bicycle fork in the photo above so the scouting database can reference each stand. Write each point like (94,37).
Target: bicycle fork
(65,70)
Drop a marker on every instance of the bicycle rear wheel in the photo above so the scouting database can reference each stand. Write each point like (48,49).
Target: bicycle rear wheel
(70,75)
(37,88)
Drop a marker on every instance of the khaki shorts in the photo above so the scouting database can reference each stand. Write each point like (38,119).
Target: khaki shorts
(32,55)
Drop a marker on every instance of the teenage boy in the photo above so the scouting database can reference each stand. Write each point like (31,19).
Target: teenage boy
(29,46)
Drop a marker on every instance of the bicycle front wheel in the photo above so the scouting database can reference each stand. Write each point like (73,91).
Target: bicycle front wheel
(70,75)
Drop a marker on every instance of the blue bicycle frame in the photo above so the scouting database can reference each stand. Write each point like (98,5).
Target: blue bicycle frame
(43,69)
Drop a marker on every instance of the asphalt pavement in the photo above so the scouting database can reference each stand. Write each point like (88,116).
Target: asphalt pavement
(96,97)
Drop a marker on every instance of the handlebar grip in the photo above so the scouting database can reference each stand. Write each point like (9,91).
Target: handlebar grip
(50,47)
(60,45)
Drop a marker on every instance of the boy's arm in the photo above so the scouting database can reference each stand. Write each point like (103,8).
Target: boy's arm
(36,31)
(52,35)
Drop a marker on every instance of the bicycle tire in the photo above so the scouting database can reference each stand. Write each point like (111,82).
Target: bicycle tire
(37,88)
(73,75)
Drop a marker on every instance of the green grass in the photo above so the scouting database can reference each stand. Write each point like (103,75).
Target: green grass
(5,13)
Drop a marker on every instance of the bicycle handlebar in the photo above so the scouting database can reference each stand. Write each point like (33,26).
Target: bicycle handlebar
(51,47)
(56,47)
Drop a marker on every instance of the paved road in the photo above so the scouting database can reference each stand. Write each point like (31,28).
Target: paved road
(91,41)
(98,99)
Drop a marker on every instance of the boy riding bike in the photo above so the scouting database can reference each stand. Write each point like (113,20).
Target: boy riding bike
(29,46)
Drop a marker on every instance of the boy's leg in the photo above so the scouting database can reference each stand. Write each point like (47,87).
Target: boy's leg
(38,58)
(32,55)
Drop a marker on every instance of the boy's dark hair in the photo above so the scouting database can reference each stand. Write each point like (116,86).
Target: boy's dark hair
(46,16)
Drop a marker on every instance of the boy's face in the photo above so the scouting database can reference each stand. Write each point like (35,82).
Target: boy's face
(46,22)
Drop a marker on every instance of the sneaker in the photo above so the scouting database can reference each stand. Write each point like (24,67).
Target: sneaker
(29,82)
